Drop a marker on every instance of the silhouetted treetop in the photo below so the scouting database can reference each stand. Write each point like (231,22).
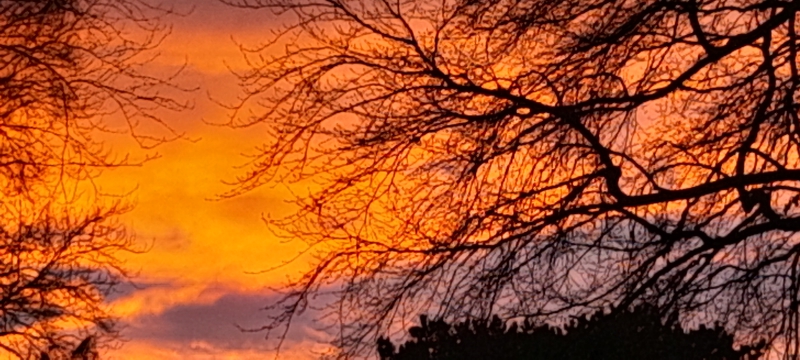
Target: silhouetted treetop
(638,334)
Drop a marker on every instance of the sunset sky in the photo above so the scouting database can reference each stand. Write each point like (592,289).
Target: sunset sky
(533,161)
(195,284)
(502,191)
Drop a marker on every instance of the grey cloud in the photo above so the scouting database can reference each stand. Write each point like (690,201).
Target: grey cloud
(215,324)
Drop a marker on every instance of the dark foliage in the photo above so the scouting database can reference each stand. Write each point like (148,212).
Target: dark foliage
(638,334)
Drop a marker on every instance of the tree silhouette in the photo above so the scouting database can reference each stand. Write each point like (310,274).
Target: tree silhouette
(85,350)
(534,158)
(638,334)
(70,76)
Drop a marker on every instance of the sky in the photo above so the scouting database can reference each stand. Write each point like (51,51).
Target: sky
(201,280)
(195,283)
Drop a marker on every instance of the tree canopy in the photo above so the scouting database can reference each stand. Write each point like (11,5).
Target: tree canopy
(637,334)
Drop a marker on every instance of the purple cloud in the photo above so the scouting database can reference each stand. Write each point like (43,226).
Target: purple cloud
(215,324)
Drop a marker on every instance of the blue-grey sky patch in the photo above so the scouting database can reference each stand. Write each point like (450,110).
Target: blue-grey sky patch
(215,324)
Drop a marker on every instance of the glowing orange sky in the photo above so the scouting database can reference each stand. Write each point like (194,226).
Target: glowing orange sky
(194,279)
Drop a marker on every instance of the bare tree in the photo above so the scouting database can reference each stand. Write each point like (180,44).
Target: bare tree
(71,73)
(65,66)
(535,159)
(55,274)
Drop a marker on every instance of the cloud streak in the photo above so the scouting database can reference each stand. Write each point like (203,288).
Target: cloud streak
(197,330)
